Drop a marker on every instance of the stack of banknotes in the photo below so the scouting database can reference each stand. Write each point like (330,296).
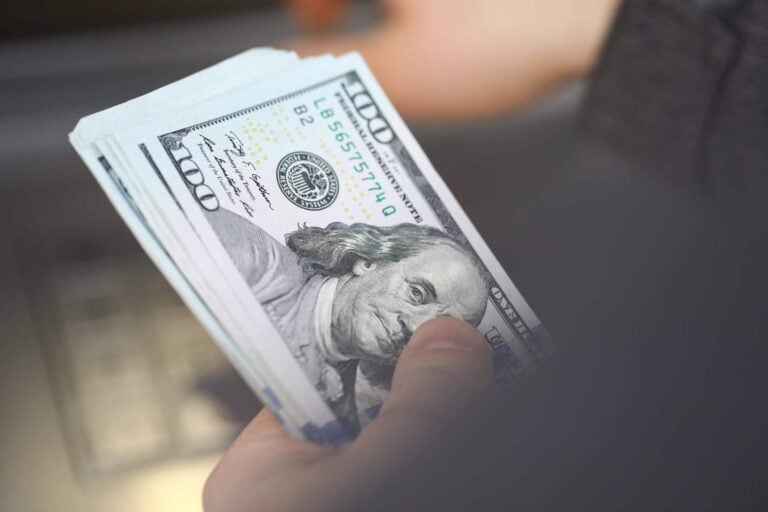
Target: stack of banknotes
(291,209)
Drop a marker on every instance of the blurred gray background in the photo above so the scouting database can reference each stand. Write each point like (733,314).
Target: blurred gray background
(112,398)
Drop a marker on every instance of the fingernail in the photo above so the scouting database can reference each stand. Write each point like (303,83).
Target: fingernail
(442,344)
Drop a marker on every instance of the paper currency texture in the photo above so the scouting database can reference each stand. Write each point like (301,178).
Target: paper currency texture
(300,220)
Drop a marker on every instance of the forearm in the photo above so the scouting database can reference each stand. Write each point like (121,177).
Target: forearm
(475,58)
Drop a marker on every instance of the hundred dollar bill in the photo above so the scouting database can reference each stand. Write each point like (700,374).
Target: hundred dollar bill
(299,219)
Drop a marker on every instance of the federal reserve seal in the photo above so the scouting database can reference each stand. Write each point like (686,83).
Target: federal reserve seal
(307,180)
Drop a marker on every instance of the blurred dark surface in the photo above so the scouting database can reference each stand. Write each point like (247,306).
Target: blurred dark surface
(48,17)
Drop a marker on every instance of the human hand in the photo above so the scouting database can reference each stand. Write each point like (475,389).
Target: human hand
(441,59)
(441,379)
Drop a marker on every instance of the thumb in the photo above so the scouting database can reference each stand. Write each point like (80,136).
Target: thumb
(444,373)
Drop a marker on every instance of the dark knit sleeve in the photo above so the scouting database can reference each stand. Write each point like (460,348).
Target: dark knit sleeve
(680,86)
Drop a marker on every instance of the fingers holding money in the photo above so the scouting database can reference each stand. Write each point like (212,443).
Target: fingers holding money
(441,378)
(446,367)
(260,467)
(273,264)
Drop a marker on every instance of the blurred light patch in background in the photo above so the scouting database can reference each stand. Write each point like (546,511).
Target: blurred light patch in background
(33,18)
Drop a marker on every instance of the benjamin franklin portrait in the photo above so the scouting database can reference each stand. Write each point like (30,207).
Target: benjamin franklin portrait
(346,298)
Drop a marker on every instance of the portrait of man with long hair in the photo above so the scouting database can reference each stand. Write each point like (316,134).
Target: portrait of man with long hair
(346,298)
